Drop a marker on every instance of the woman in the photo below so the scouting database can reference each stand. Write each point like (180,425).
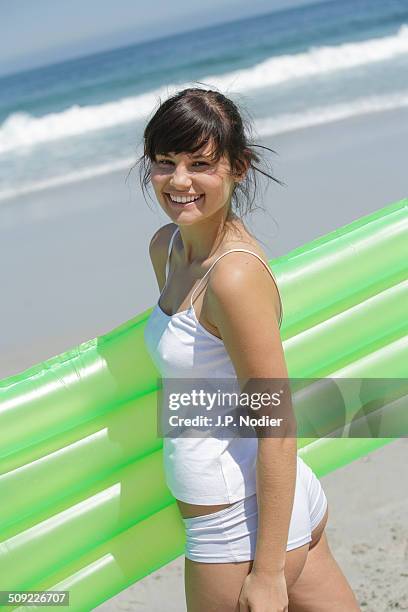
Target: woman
(254,512)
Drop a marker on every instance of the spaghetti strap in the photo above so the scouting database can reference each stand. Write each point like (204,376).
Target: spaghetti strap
(260,259)
(168,256)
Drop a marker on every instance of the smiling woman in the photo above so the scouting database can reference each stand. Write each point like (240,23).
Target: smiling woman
(251,507)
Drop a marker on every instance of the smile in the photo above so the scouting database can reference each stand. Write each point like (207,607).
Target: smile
(184,201)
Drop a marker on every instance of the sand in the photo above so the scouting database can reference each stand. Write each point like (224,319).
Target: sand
(75,265)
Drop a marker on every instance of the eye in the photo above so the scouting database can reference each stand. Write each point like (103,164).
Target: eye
(164,161)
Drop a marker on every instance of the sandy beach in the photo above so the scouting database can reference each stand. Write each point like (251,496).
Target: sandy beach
(75,265)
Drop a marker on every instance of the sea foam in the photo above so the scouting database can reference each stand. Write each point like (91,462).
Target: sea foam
(21,130)
(269,126)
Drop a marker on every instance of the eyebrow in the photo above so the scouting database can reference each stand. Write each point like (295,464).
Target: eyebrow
(193,156)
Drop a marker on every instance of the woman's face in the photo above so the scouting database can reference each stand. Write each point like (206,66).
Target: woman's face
(192,175)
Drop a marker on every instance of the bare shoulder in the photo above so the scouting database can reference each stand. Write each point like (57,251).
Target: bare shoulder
(160,240)
(240,282)
(158,249)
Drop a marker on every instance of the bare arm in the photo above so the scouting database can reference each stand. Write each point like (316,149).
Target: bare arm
(244,301)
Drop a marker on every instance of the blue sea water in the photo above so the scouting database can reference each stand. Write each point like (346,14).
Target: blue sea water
(289,69)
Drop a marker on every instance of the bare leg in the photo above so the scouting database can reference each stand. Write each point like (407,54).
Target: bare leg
(215,587)
(322,586)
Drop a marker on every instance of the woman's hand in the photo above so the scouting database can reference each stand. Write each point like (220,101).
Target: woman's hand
(264,593)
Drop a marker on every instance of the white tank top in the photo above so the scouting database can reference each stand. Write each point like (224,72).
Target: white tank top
(200,470)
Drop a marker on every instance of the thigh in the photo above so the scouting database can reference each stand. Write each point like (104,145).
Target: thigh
(215,587)
(321,585)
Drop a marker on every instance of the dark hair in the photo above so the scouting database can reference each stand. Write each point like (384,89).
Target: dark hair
(192,117)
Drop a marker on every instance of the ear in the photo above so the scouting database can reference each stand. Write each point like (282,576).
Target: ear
(241,172)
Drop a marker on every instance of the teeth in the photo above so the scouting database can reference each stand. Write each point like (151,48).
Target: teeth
(183,199)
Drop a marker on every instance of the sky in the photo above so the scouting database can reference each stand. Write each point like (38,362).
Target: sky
(40,32)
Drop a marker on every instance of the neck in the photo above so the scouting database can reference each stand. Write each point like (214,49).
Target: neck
(203,238)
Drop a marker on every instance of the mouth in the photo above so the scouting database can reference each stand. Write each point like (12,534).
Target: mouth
(180,205)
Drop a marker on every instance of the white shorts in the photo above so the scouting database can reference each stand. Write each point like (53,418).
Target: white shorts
(229,535)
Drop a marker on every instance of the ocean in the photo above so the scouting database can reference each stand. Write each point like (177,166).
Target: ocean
(287,70)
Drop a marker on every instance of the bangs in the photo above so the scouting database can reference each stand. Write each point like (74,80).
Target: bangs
(178,134)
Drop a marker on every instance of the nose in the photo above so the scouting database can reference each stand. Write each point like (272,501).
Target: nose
(180,178)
